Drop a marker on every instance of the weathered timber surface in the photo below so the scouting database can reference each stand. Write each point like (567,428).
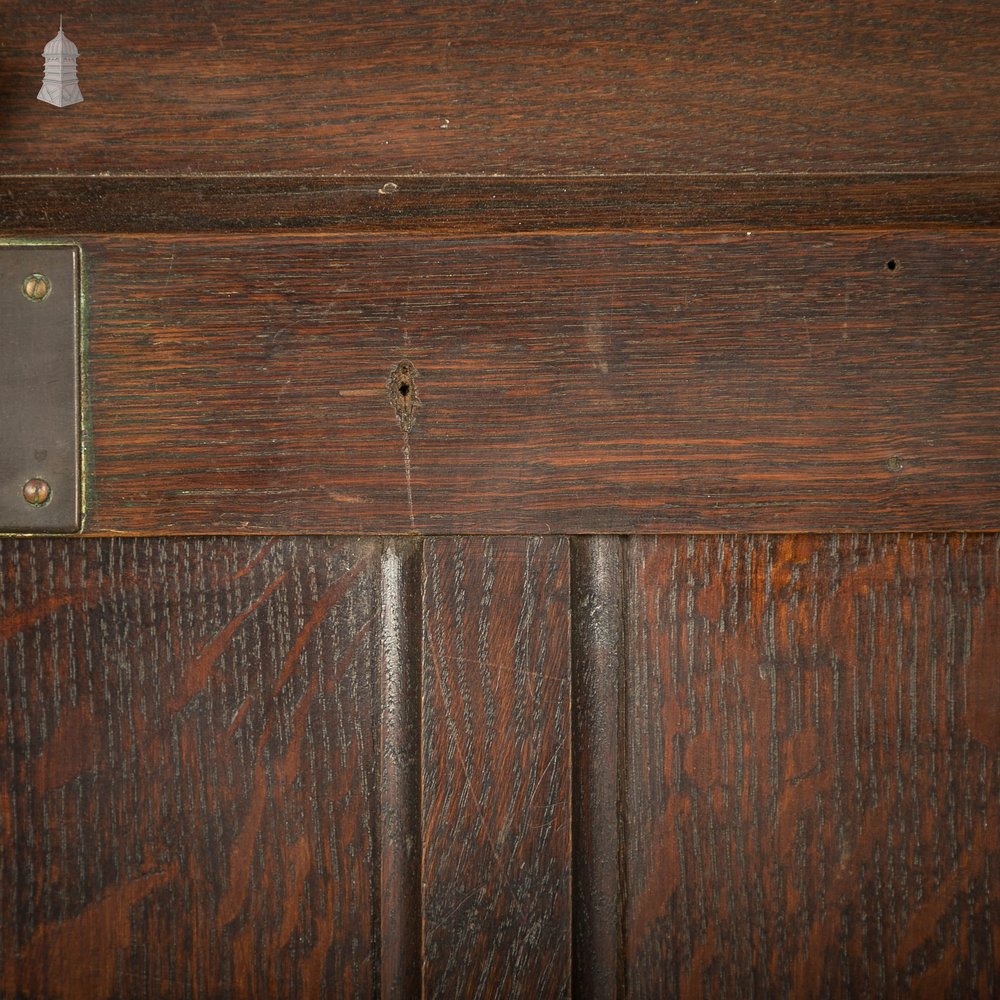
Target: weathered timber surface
(524,87)
(45,205)
(813,766)
(496,768)
(188,768)
(564,383)
(645,767)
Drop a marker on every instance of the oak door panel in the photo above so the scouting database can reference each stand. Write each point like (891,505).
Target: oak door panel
(559,383)
(471,87)
(188,762)
(496,768)
(677,766)
(813,759)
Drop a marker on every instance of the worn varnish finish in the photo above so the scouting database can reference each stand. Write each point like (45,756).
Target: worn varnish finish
(188,768)
(400,648)
(598,597)
(477,88)
(513,271)
(693,382)
(496,768)
(813,766)
(39,206)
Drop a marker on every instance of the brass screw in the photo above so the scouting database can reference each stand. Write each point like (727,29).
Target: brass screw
(37,492)
(36,287)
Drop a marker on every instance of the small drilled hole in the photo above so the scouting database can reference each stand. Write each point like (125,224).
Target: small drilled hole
(890,265)
(404,388)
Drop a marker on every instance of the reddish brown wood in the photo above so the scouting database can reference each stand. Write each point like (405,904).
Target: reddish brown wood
(41,206)
(496,768)
(193,801)
(599,383)
(187,768)
(814,766)
(598,765)
(471,87)
(517,269)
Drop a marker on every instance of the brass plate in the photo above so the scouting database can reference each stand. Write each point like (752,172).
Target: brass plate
(39,389)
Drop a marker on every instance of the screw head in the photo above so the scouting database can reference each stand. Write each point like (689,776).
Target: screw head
(37,492)
(36,287)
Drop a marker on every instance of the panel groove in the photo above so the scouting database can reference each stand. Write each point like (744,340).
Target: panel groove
(400,636)
(475,206)
(597,592)
(622,776)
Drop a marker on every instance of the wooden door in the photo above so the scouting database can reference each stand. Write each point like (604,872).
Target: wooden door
(541,489)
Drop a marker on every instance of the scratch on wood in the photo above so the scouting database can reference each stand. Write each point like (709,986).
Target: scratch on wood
(404,399)
(409,484)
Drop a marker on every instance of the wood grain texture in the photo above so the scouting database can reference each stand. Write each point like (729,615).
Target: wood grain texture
(400,632)
(712,382)
(188,759)
(496,768)
(523,87)
(814,766)
(41,206)
(597,590)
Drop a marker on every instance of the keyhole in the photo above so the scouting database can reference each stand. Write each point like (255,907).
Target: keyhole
(402,386)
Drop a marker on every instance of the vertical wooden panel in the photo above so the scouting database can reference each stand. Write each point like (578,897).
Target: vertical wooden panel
(598,670)
(496,767)
(187,767)
(814,766)
(399,820)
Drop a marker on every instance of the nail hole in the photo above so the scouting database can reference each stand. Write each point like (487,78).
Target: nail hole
(404,388)
(890,265)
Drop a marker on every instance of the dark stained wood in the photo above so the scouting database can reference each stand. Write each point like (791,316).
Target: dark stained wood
(579,384)
(400,629)
(496,768)
(814,766)
(188,777)
(597,589)
(519,270)
(479,88)
(215,779)
(40,206)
